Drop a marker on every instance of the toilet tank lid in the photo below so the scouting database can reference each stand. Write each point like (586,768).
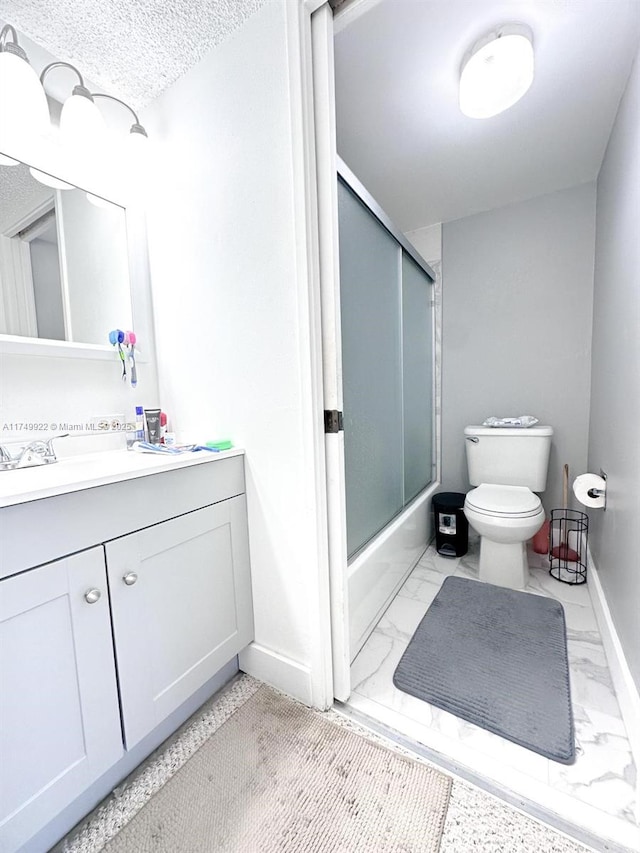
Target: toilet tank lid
(520,431)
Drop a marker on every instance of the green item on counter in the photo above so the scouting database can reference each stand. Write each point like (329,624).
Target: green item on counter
(220,445)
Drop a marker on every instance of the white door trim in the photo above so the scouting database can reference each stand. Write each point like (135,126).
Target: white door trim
(302,96)
(327,167)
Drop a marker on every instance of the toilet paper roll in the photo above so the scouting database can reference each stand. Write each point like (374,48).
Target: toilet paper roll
(583,485)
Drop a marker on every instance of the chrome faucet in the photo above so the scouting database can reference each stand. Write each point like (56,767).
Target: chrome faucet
(38,452)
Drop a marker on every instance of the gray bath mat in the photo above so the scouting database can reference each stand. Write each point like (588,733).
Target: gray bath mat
(277,778)
(497,658)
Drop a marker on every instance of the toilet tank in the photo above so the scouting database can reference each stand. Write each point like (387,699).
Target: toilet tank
(508,457)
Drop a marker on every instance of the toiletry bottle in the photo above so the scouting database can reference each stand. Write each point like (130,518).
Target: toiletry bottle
(163,427)
(152,418)
(139,423)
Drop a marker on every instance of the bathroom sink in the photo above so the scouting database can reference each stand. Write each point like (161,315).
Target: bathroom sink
(74,473)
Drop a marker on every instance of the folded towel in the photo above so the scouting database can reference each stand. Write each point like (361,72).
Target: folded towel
(523,421)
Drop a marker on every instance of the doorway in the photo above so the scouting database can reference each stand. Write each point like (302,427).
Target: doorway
(378,329)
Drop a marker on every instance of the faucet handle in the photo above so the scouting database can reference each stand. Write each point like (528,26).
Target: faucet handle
(35,453)
(38,452)
(49,443)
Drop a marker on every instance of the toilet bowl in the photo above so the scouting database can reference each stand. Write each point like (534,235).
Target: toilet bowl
(506,517)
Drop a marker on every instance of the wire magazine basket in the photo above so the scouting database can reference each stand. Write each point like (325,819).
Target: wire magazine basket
(568,546)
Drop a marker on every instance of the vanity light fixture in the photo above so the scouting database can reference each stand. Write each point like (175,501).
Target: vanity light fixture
(497,71)
(137,133)
(24,109)
(81,122)
(136,143)
(23,103)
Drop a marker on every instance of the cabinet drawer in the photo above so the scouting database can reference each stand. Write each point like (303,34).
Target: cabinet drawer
(181,608)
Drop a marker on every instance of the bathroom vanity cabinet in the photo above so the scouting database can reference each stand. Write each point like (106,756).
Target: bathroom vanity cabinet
(117,603)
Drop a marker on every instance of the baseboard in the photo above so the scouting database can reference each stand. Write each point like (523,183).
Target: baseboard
(277,670)
(626,690)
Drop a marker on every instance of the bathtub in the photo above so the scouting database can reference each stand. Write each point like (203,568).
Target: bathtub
(376,574)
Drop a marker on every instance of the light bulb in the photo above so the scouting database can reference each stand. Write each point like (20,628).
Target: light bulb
(23,103)
(81,122)
(136,146)
(497,73)
(137,142)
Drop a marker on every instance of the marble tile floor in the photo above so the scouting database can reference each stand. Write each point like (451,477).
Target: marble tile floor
(597,795)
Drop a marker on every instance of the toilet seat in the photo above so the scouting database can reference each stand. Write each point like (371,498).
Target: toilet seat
(503,501)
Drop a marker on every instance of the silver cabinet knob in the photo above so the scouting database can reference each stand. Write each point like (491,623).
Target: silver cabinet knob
(92,595)
(130,578)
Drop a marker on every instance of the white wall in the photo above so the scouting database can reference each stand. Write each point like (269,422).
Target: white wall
(54,391)
(615,385)
(231,318)
(517,314)
(428,241)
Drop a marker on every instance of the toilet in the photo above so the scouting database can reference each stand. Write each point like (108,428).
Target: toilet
(507,467)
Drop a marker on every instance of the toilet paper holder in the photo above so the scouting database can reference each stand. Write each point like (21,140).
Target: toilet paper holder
(596,493)
(597,490)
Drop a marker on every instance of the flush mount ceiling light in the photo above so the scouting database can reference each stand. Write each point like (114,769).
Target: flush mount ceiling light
(497,71)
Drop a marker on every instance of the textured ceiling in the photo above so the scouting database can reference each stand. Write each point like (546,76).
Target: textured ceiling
(401,131)
(134,49)
(20,194)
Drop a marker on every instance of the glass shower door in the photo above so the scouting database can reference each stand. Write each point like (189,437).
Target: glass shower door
(370,305)
(387,370)
(417,378)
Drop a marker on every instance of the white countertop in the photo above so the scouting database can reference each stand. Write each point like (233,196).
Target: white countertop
(74,473)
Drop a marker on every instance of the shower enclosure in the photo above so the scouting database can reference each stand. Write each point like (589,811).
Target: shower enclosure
(387,325)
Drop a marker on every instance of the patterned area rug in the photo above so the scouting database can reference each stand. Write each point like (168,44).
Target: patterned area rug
(497,658)
(277,777)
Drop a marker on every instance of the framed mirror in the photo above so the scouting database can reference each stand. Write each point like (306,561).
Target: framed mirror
(64,261)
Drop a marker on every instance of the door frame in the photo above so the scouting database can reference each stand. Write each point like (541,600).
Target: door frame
(311,31)
(322,34)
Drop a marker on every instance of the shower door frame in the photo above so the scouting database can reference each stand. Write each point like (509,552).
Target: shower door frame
(328,166)
(386,544)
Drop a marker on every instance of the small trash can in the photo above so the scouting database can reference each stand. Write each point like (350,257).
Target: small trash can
(452,527)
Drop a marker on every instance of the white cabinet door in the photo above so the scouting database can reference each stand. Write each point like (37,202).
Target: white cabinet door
(181,608)
(59,716)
